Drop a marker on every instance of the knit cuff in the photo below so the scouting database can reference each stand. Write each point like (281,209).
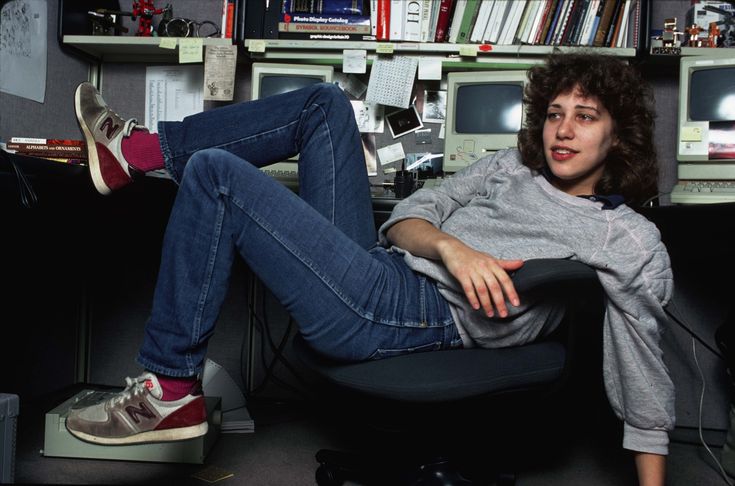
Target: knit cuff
(645,440)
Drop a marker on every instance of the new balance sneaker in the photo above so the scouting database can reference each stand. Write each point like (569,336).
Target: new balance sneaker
(138,415)
(103,131)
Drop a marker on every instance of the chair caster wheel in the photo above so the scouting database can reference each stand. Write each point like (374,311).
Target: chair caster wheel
(327,476)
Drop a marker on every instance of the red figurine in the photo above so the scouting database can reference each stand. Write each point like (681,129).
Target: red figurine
(146,11)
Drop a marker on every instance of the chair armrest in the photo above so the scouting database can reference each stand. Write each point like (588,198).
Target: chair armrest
(542,272)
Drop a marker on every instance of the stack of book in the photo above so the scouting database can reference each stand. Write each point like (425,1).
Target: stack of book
(67,151)
(592,23)
(326,20)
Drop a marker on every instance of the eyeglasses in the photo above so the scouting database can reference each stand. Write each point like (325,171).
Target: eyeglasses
(181,27)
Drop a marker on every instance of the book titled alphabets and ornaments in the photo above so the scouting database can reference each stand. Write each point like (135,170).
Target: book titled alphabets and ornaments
(68,151)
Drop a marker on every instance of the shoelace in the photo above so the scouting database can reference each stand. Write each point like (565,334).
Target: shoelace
(133,386)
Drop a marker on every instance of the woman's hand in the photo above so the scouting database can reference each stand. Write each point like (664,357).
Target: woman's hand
(484,279)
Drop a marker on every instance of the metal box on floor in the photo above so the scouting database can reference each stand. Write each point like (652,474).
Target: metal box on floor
(58,442)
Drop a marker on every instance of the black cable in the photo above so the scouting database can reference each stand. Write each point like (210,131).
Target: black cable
(277,351)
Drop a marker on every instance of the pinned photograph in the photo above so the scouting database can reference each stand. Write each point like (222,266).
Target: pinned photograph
(405,121)
(369,117)
(435,106)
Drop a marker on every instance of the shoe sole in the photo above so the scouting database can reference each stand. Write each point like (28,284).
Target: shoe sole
(92,154)
(165,435)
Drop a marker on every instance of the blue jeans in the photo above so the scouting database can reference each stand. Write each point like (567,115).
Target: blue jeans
(315,252)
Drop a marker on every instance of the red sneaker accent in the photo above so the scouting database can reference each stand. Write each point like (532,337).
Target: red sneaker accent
(112,173)
(193,413)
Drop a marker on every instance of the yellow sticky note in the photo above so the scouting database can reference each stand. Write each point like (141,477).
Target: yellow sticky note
(167,43)
(384,48)
(191,50)
(256,45)
(691,134)
(468,51)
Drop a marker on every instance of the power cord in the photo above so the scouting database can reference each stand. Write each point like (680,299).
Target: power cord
(695,337)
(701,405)
(278,352)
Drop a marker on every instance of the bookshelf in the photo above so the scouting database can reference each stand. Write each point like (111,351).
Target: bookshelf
(130,48)
(465,56)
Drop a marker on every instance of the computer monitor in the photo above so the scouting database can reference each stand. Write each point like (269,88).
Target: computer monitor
(270,79)
(706,124)
(484,114)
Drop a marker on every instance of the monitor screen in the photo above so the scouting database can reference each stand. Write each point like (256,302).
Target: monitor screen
(712,94)
(274,78)
(504,115)
(273,84)
(484,114)
(706,123)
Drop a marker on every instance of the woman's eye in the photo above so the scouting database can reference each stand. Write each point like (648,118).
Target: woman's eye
(586,117)
(552,116)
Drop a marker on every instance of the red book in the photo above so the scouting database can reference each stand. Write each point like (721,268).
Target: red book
(442,22)
(382,33)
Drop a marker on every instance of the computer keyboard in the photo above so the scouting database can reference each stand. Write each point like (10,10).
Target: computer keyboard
(703,192)
(284,172)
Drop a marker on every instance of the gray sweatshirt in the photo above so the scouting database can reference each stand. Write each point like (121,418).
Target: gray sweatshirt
(499,206)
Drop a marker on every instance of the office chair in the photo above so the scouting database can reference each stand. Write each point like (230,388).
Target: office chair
(443,397)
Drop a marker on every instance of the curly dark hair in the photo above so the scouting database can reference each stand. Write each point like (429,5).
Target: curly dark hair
(631,167)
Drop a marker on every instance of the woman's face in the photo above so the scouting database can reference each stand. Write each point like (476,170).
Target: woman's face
(578,133)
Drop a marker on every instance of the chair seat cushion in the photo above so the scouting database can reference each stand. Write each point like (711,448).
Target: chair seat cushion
(446,375)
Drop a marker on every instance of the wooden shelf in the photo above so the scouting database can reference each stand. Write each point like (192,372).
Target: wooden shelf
(130,49)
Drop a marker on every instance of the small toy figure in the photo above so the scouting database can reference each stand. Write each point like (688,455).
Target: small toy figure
(693,39)
(671,36)
(145,10)
(713,37)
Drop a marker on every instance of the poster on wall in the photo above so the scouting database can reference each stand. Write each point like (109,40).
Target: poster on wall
(23,27)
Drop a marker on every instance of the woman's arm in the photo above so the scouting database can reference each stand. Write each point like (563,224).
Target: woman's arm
(651,469)
(484,279)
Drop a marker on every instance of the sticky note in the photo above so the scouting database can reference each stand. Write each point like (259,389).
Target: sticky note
(191,49)
(691,134)
(167,43)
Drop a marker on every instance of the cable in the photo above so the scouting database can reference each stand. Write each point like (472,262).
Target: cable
(692,333)
(701,404)
(276,349)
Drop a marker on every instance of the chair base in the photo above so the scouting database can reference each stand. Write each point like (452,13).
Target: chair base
(336,467)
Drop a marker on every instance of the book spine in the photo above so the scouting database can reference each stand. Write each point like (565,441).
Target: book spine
(299,18)
(48,141)
(229,19)
(604,25)
(546,22)
(326,36)
(45,154)
(396,20)
(481,22)
(330,7)
(382,32)
(442,23)
(325,28)
(412,21)
(455,25)
(67,150)
(425,21)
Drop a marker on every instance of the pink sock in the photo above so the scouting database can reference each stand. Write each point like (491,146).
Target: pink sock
(175,388)
(143,151)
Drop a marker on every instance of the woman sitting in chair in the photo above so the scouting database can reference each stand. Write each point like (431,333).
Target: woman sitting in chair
(438,277)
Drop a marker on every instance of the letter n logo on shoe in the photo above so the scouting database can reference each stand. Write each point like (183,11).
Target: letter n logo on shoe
(140,411)
(109,127)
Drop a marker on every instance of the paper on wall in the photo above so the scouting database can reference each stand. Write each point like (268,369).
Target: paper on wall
(23,51)
(172,93)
